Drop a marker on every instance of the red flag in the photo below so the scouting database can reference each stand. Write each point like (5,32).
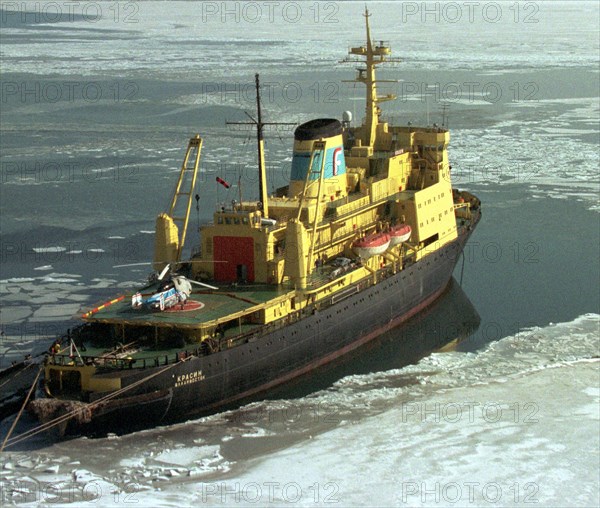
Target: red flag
(223,183)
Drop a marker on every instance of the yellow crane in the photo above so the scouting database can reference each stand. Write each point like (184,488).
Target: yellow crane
(172,226)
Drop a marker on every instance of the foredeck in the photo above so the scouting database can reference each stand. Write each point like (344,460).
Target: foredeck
(206,306)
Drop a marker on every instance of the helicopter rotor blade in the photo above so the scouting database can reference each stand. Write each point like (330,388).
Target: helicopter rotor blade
(132,264)
(202,284)
(164,271)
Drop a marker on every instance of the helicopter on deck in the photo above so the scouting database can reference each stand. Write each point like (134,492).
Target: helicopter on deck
(172,290)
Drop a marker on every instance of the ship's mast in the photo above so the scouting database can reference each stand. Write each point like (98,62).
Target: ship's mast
(262,174)
(373,57)
(372,116)
(262,171)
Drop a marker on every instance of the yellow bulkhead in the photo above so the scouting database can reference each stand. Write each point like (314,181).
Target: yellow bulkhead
(166,241)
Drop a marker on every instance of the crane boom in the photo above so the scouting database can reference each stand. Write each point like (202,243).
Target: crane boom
(171,227)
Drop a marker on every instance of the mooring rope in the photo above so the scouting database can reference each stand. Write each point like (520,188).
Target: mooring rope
(12,427)
(57,421)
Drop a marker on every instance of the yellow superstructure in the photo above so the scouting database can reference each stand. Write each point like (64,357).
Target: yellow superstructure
(363,205)
(345,183)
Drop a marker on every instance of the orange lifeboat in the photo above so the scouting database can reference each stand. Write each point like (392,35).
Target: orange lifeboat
(371,245)
(400,233)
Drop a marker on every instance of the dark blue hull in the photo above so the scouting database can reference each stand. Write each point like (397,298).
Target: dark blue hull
(202,384)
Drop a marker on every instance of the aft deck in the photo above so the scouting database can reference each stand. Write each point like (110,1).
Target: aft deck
(203,307)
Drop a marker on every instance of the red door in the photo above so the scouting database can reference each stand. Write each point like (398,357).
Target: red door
(231,253)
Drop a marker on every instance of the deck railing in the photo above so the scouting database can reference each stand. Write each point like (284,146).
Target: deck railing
(111,362)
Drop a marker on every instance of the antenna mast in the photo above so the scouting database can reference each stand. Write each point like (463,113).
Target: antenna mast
(262,172)
(374,55)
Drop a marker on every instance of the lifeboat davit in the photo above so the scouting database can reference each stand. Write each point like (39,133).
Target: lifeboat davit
(400,233)
(371,245)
